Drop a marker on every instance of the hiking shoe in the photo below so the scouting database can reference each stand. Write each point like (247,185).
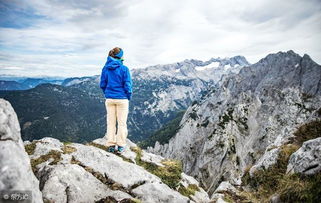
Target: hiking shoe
(120,149)
(111,149)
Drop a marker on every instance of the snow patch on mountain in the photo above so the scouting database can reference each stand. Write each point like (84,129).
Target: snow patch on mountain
(211,65)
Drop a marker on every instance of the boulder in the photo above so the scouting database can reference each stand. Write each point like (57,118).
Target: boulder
(83,168)
(114,167)
(307,159)
(16,172)
(158,192)
(200,195)
(269,158)
(72,183)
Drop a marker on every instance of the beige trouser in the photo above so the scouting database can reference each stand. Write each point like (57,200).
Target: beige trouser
(117,110)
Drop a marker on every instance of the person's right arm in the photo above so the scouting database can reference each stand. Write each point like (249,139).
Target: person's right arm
(103,80)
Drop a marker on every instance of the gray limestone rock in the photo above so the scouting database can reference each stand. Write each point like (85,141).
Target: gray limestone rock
(158,192)
(115,168)
(72,183)
(152,158)
(225,186)
(307,159)
(200,195)
(16,173)
(45,145)
(64,180)
(269,158)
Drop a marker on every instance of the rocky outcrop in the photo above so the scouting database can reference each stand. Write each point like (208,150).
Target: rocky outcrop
(307,160)
(268,159)
(247,119)
(73,172)
(15,169)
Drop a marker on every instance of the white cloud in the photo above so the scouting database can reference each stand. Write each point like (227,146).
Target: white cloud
(73,37)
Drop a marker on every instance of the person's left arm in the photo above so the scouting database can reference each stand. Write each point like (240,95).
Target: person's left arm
(128,83)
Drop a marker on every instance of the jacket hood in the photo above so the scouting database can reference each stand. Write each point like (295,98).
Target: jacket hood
(113,63)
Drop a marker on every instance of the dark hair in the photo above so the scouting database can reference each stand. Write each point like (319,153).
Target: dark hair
(114,52)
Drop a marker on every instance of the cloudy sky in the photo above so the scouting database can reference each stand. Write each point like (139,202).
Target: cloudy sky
(72,37)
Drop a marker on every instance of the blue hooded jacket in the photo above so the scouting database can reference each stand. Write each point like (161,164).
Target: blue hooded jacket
(115,80)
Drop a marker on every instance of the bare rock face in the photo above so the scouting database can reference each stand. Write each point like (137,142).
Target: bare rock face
(73,172)
(156,192)
(307,160)
(219,194)
(269,158)
(16,173)
(246,119)
(112,166)
(72,183)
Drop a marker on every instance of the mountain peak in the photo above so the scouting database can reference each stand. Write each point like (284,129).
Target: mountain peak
(307,57)
(287,55)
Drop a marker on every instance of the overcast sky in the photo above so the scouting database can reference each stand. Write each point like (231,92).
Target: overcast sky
(72,37)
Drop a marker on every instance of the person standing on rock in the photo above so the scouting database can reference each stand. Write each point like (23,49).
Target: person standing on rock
(116,83)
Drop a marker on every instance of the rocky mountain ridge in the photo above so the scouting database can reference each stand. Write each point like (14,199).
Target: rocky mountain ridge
(72,172)
(249,122)
(210,70)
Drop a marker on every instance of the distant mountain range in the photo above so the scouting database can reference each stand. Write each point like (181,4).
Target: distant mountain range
(21,83)
(76,105)
(25,84)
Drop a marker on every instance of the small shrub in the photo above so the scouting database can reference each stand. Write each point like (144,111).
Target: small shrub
(68,149)
(170,174)
(227,117)
(296,188)
(307,131)
(30,148)
(232,197)
(243,121)
(205,123)
(56,155)
(266,182)
(290,187)
(306,96)
(193,115)
(189,191)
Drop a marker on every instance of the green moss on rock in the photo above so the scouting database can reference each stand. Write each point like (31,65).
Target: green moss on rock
(189,191)
(67,149)
(170,173)
(100,146)
(30,148)
(290,187)
(54,154)
(307,131)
